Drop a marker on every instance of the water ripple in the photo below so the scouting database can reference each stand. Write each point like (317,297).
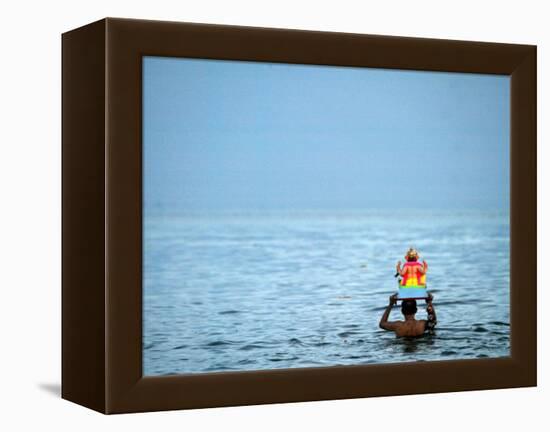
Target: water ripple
(238,292)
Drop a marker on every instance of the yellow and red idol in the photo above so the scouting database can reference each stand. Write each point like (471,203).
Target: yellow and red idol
(412,281)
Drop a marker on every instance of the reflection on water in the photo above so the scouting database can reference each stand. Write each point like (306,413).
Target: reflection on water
(271,290)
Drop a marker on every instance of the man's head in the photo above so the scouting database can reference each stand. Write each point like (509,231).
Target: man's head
(408,307)
(411,255)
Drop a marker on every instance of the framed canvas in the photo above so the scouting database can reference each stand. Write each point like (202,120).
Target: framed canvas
(235,200)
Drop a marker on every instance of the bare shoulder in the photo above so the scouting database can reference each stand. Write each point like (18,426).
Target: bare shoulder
(392,325)
(422,325)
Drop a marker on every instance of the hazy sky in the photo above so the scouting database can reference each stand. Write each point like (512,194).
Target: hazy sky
(245,135)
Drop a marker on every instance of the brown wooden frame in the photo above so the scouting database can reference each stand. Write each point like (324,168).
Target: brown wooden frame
(102,231)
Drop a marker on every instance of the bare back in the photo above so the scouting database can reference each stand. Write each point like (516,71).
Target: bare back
(410,328)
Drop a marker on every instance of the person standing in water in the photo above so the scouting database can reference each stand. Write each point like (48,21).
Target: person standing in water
(411,327)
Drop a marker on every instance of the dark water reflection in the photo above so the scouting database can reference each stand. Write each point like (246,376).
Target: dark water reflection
(265,291)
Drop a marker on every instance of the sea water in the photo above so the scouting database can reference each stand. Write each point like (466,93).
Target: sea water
(229,291)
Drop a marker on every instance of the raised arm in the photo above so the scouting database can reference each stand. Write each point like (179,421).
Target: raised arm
(400,272)
(431,322)
(424,268)
(384,323)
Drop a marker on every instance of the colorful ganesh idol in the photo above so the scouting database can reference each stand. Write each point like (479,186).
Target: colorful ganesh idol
(412,281)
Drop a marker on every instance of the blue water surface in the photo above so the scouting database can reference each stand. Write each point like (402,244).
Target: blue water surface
(227,291)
